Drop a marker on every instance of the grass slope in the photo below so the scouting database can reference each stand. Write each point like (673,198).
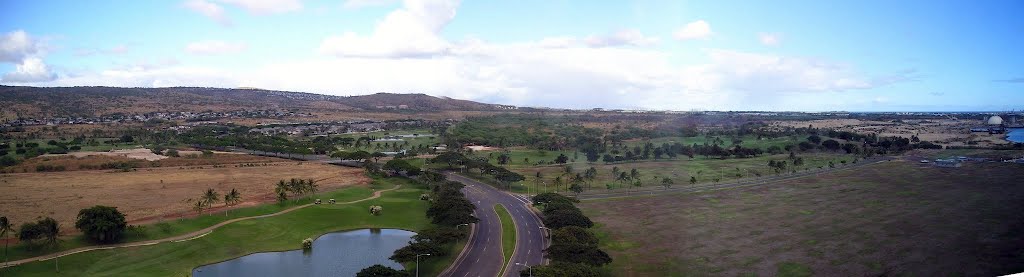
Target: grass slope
(184,226)
(403,210)
(508,234)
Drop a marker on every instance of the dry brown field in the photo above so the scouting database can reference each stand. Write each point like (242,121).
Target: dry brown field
(80,161)
(948,132)
(147,193)
(896,218)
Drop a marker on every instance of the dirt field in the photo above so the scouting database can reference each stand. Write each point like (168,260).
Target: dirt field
(153,192)
(896,218)
(949,132)
(82,161)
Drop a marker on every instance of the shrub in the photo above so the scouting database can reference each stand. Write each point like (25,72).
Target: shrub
(381,271)
(375,210)
(307,243)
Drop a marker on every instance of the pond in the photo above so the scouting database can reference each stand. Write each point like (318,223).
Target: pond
(333,254)
(1015,134)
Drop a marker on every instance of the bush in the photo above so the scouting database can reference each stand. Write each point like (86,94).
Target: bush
(29,232)
(550,197)
(7,161)
(381,271)
(307,243)
(376,210)
(102,224)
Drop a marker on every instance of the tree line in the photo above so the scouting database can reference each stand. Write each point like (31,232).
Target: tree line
(574,250)
(448,210)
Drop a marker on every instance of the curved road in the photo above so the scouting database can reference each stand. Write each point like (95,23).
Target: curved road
(483,254)
(178,238)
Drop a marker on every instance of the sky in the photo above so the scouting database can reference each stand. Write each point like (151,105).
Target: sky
(657,55)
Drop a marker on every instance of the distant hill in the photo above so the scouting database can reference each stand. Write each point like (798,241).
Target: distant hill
(40,102)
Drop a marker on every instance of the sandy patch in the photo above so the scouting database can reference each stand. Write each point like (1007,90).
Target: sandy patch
(137,153)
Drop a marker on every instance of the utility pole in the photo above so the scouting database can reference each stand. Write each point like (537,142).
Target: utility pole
(418,263)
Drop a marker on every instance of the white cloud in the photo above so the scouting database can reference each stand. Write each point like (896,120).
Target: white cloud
(264,7)
(411,31)
(26,52)
(209,9)
(355,4)
(29,71)
(699,29)
(216,11)
(751,72)
(215,47)
(17,45)
(770,39)
(625,37)
(119,49)
(407,54)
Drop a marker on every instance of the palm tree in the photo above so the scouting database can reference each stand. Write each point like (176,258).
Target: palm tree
(634,175)
(311,186)
(5,226)
(537,180)
(281,190)
(232,198)
(210,197)
(623,177)
(590,174)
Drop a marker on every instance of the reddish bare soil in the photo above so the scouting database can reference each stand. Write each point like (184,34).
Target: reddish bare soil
(145,193)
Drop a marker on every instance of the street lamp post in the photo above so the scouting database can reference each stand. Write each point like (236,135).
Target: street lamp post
(418,263)
(527,266)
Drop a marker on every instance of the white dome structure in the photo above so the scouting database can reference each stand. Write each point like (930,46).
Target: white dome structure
(994,120)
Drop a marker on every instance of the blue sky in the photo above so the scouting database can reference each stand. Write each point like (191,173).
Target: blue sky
(677,55)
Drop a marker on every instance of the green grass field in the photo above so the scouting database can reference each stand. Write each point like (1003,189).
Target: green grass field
(747,141)
(679,170)
(172,228)
(403,210)
(508,234)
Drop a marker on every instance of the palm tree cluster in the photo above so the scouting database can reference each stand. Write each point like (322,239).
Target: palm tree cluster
(295,187)
(210,197)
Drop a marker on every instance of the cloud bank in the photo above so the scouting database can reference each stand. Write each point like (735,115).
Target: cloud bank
(406,53)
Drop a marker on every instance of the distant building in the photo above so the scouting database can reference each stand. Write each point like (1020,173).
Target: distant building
(993,125)
(947,163)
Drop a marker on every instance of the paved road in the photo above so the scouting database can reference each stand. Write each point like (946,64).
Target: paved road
(735,184)
(178,238)
(483,257)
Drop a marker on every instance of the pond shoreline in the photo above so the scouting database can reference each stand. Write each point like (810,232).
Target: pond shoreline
(308,259)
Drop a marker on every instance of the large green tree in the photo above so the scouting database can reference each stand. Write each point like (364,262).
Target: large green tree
(102,224)
(381,271)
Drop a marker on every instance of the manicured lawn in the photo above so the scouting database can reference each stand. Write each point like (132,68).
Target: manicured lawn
(508,233)
(403,210)
(749,141)
(172,228)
